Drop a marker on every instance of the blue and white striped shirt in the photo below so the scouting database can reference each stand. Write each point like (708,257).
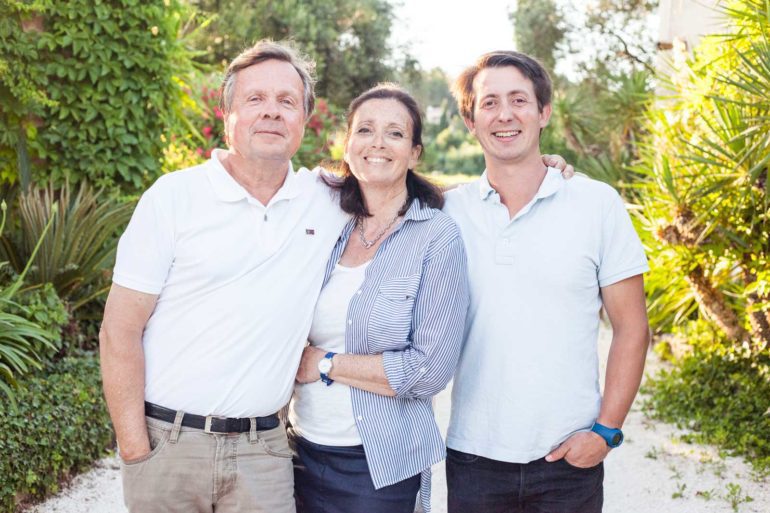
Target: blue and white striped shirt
(411,309)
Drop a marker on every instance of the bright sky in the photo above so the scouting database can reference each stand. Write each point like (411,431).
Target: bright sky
(451,34)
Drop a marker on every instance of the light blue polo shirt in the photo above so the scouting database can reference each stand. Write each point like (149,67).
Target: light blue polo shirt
(528,375)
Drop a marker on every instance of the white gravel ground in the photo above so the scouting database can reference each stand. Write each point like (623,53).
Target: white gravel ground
(651,473)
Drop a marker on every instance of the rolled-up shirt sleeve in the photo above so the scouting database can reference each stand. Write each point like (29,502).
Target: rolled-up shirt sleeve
(425,367)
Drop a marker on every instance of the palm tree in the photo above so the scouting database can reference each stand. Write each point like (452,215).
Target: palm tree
(706,195)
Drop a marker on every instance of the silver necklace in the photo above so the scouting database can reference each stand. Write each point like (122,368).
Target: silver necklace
(369,243)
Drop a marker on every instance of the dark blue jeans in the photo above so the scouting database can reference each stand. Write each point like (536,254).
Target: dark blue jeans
(480,485)
(336,480)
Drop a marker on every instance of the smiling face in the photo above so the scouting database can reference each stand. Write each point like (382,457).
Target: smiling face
(379,147)
(506,120)
(267,119)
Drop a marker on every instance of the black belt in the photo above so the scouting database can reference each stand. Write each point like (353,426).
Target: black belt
(211,424)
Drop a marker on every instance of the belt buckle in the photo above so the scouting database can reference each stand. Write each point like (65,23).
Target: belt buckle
(209,418)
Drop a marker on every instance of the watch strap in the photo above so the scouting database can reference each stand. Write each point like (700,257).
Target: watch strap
(613,436)
(324,376)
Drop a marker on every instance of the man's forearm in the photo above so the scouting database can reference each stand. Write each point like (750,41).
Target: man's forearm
(625,367)
(122,362)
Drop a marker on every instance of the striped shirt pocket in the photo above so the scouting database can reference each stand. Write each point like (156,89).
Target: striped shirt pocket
(390,321)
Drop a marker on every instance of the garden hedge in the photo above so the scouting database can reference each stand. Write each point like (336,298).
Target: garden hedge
(59,427)
(88,89)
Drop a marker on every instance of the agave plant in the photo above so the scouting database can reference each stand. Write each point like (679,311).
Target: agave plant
(75,255)
(706,194)
(17,334)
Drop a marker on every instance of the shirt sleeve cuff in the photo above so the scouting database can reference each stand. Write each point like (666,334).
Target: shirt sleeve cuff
(137,285)
(393,362)
(614,278)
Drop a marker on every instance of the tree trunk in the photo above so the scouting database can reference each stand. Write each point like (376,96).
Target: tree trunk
(710,300)
(713,304)
(759,320)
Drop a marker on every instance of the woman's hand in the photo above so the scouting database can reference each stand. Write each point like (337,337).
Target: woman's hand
(308,365)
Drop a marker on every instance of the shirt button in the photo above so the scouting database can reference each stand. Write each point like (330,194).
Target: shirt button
(350,321)
(360,417)
(359,292)
(423,369)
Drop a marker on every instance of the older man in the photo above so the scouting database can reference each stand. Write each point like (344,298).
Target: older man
(213,291)
(529,429)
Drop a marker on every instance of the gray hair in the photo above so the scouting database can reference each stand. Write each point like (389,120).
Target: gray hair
(265,50)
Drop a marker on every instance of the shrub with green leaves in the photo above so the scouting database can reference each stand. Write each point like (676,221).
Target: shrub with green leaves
(59,428)
(43,307)
(88,88)
(21,339)
(722,394)
(75,255)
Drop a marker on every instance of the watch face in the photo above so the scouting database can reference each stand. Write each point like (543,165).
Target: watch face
(617,438)
(325,365)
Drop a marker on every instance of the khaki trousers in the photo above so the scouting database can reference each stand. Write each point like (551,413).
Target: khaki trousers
(189,471)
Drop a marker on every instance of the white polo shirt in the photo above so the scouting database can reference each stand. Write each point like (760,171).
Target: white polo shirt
(528,374)
(237,283)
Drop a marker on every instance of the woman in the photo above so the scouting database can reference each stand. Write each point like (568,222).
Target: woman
(387,329)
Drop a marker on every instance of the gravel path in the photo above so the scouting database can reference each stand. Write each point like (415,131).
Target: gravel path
(651,473)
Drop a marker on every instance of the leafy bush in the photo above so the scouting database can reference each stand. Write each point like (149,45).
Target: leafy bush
(722,393)
(20,338)
(90,88)
(77,252)
(59,428)
(318,144)
(43,307)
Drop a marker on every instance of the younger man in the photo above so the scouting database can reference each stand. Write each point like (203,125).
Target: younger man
(529,429)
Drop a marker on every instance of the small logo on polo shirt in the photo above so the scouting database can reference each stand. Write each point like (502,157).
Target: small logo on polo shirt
(309,231)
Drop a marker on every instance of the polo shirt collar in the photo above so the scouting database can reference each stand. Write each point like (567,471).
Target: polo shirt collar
(552,182)
(485,189)
(227,189)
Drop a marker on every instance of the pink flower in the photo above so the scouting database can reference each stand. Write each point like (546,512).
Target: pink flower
(207,132)
(199,151)
(218,113)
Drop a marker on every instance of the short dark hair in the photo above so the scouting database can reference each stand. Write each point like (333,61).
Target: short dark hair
(265,50)
(351,200)
(528,66)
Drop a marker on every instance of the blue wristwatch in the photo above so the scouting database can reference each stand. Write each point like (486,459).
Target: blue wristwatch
(613,437)
(325,367)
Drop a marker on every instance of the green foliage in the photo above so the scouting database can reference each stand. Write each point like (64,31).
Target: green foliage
(706,207)
(89,88)
(76,254)
(721,393)
(453,151)
(59,428)
(43,307)
(323,137)
(538,26)
(348,39)
(20,338)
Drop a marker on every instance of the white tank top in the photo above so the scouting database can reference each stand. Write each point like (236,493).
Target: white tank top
(319,413)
